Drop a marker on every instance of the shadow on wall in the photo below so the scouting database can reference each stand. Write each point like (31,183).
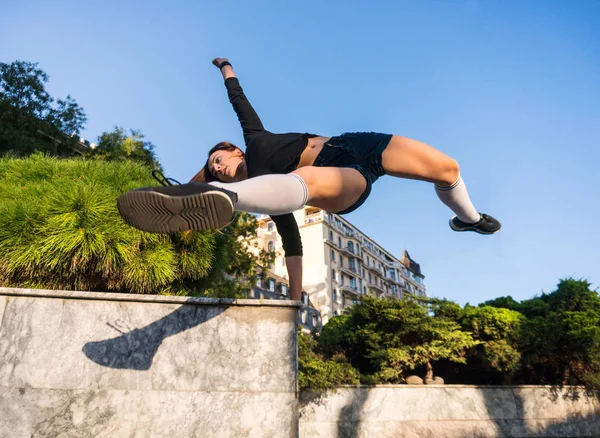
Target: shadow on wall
(350,416)
(508,412)
(136,348)
(526,416)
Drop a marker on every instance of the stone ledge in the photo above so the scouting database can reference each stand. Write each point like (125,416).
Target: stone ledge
(128,297)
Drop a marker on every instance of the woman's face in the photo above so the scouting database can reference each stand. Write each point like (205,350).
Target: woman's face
(228,166)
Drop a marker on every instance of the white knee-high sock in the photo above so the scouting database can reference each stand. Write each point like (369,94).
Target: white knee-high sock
(457,198)
(268,194)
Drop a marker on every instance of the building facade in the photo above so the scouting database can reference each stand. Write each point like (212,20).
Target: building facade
(341,263)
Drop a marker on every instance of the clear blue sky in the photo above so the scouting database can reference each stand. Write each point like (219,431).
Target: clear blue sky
(511,89)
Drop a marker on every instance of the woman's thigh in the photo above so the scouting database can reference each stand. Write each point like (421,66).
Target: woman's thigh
(332,188)
(407,158)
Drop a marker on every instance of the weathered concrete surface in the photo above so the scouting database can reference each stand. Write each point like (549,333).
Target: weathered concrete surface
(450,411)
(95,364)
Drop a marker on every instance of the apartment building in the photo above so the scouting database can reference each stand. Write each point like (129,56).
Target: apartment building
(342,263)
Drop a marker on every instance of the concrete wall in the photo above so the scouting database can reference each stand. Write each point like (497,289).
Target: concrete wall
(450,411)
(77,364)
(94,364)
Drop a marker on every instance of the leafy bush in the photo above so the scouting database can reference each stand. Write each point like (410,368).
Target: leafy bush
(60,229)
(316,372)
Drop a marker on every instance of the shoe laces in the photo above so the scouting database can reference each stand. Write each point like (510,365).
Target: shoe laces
(163,180)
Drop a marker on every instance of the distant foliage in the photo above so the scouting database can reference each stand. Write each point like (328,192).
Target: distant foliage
(120,145)
(550,339)
(30,116)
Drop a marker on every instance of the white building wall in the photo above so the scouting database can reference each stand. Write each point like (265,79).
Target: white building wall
(323,235)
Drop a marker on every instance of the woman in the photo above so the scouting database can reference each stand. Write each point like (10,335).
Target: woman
(281,173)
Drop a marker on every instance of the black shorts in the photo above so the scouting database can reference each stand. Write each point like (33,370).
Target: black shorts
(358,150)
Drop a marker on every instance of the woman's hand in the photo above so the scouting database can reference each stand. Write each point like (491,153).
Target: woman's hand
(218,61)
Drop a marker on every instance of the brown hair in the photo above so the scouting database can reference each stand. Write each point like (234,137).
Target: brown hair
(205,175)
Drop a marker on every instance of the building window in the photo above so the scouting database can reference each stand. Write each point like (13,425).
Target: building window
(270,226)
(360,286)
(271,245)
(330,236)
(357,249)
(351,264)
(365,290)
(334,296)
(314,320)
(333,275)
(305,298)
(304,317)
(353,282)
(258,282)
(339,242)
(341,261)
(283,289)
(332,255)
(256,293)
(343,300)
(271,285)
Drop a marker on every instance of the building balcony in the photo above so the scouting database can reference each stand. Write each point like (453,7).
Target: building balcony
(373,268)
(350,271)
(350,234)
(351,289)
(347,251)
(331,243)
(313,218)
(376,287)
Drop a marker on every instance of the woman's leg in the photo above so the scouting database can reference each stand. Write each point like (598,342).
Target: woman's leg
(330,188)
(407,158)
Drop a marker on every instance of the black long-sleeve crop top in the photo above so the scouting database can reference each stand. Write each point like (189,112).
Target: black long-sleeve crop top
(268,153)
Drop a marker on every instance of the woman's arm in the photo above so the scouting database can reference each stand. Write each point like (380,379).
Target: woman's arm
(287,227)
(226,70)
(294,268)
(249,120)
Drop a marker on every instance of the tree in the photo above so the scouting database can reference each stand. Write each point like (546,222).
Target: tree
(507,302)
(384,339)
(562,336)
(30,119)
(500,333)
(237,255)
(318,373)
(119,145)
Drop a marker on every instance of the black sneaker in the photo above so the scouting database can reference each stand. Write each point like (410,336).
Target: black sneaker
(168,209)
(486,225)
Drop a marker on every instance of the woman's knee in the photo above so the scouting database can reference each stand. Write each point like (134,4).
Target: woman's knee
(449,172)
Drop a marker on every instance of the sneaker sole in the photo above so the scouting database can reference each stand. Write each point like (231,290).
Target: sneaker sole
(470,229)
(159,213)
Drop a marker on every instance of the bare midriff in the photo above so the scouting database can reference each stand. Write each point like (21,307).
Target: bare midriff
(312,150)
